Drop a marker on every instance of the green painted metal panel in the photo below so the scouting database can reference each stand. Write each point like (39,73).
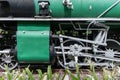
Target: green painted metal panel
(33,26)
(36,7)
(33,42)
(84,8)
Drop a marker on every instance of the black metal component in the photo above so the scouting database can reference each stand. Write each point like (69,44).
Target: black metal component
(52,54)
(44,8)
(17,8)
(14,52)
(4,8)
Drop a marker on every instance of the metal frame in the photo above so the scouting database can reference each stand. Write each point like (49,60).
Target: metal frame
(100,40)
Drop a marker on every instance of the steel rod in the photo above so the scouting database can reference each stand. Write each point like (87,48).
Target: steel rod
(59,19)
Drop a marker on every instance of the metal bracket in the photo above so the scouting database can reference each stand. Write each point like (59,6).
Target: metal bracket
(44,8)
(68,4)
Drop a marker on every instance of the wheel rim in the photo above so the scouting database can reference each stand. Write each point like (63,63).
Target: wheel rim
(9,60)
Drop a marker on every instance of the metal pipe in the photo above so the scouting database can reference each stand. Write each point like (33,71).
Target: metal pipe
(108,9)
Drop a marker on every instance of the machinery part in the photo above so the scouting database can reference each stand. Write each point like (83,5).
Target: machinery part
(17,8)
(60,19)
(33,42)
(68,4)
(44,8)
(111,51)
(8,59)
(72,58)
(113,44)
(30,8)
(85,8)
(4,8)
(52,54)
(103,56)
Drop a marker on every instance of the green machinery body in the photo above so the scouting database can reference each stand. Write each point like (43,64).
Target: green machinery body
(33,37)
(82,8)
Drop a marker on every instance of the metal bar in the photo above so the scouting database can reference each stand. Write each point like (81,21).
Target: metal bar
(68,47)
(95,64)
(83,40)
(61,43)
(5,51)
(59,19)
(93,56)
(100,57)
(60,53)
(87,64)
(109,8)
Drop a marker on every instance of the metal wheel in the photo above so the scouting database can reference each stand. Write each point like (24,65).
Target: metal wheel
(9,60)
(70,59)
(111,51)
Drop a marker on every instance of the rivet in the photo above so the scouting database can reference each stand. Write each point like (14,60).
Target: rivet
(24,32)
(42,33)
(90,7)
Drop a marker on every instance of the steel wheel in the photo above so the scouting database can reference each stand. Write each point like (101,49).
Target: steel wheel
(112,51)
(69,58)
(9,60)
(112,48)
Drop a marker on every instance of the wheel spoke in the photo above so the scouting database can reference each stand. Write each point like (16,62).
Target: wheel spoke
(11,56)
(5,55)
(3,63)
(9,60)
(12,64)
